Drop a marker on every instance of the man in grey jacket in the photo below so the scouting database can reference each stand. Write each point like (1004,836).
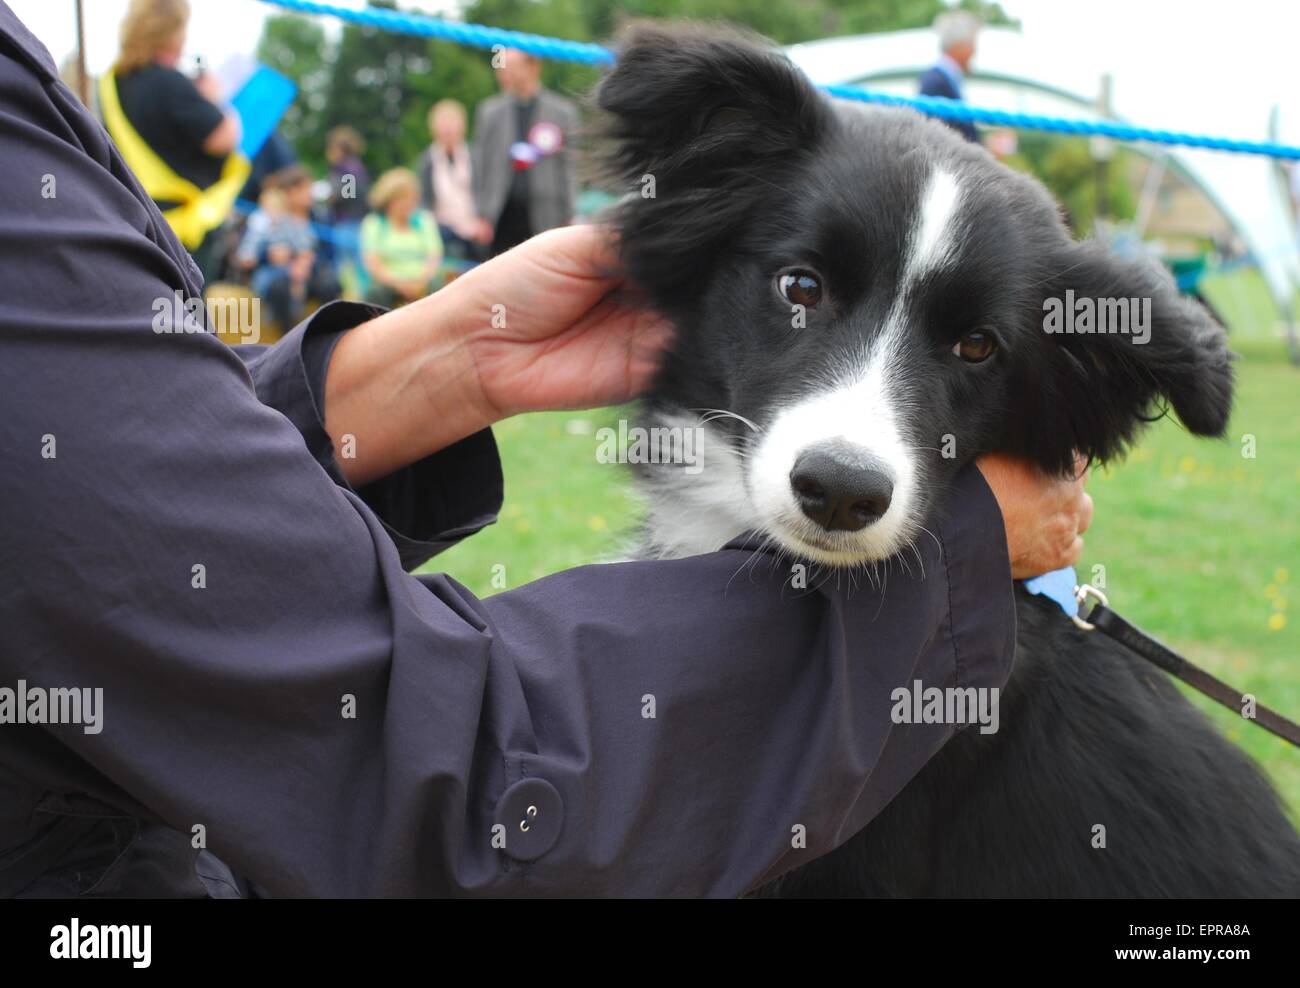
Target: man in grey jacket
(212,546)
(525,176)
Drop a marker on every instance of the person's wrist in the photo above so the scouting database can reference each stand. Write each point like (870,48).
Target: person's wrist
(469,307)
(452,372)
(405,385)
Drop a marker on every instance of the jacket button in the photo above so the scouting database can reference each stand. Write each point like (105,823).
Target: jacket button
(532,814)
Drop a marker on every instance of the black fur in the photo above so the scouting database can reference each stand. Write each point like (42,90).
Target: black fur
(1091,734)
(754,171)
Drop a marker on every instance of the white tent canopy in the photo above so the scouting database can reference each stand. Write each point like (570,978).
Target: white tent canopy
(1012,72)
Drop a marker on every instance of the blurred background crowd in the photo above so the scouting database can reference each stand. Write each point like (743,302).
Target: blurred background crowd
(400,161)
(316,214)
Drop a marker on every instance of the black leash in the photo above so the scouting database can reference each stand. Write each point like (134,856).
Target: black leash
(1103,619)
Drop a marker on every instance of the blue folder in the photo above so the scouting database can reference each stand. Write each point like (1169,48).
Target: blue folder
(261,104)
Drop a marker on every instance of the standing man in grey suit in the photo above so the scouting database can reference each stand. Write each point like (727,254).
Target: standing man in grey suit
(525,179)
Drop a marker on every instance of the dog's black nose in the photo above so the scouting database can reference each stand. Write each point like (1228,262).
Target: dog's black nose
(840,491)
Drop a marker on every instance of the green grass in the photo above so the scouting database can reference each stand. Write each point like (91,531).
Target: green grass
(1242,299)
(562,508)
(1201,546)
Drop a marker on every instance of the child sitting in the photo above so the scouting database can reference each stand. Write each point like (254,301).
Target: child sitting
(280,248)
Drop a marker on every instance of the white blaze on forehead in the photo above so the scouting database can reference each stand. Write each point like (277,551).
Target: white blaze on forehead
(933,242)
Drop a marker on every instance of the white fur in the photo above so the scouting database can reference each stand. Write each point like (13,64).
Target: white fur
(691,515)
(934,241)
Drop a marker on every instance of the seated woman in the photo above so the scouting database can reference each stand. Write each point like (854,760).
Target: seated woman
(400,245)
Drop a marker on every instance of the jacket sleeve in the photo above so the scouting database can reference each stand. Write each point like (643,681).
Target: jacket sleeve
(270,672)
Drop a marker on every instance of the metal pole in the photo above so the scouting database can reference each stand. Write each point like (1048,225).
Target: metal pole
(83,80)
(1103,149)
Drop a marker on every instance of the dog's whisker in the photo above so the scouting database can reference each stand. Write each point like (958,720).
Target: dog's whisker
(721,413)
(937,544)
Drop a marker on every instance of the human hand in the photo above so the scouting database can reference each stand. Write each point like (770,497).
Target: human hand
(209,87)
(483,231)
(549,324)
(279,254)
(566,332)
(300,266)
(1045,516)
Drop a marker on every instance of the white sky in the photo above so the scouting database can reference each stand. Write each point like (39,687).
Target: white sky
(1196,51)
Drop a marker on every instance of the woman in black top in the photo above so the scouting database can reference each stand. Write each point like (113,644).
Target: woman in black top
(178,117)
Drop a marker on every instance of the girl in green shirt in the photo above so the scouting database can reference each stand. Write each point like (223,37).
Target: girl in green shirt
(400,244)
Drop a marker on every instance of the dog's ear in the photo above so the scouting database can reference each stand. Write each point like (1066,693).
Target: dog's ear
(695,103)
(696,124)
(1093,391)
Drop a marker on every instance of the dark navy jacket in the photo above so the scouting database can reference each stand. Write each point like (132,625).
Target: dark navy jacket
(225,763)
(936,82)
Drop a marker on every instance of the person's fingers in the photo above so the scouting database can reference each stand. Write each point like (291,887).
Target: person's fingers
(586,250)
(646,352)
(552,280)
(1074,553)
(1045,516)
(1085,513)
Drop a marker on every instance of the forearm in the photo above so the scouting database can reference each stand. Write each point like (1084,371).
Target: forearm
(225,138)
(403,386)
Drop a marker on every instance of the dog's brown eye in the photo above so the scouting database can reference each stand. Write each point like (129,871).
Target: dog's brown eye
(975,348)
(800,288)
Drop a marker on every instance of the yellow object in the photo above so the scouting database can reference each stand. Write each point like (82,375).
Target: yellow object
(200,210)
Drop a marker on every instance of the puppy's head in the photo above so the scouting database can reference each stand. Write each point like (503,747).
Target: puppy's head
(874,301)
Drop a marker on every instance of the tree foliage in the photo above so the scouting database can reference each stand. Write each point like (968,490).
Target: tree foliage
(383,83)
(1066,166)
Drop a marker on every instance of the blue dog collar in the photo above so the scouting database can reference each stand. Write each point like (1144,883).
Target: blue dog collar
(1057,585)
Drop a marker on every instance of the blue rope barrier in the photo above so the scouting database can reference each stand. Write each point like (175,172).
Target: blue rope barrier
(558,49)
(953,110)
(471,35)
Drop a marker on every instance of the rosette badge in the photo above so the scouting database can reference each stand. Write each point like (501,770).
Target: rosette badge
(544,138)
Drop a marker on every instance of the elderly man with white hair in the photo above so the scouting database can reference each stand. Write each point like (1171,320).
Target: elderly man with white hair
(957,31)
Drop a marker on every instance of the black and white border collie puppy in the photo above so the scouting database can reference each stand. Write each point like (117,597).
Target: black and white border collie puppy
(859,298)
